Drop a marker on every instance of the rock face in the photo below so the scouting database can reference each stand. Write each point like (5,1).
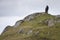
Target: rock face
(29,32)
(21,31)
(28,18)
(57,21)
(51,22)
(32,16)
(58,16)
(6,29)
(18,23)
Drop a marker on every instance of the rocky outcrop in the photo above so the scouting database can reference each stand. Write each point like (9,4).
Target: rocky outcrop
(58,16)
(29,32)
(32,16)
(29,17)
(6,29)
(52,22)
(21,31)
(49,22)
(57,19)
(18,23)
(34,26)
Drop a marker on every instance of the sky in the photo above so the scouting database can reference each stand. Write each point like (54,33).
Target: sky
(13,10)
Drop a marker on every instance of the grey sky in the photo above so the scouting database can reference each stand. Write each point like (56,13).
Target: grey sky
(20,8)
(24,7)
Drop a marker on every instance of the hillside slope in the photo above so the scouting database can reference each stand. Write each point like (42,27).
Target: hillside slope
(37,26)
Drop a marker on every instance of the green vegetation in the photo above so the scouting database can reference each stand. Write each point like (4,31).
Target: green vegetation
(41,31)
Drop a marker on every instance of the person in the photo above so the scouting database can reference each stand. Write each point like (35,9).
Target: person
(46,9)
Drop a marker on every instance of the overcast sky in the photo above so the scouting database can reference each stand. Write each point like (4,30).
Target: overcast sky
(20,8)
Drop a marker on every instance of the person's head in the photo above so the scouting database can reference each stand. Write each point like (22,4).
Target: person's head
(47,6)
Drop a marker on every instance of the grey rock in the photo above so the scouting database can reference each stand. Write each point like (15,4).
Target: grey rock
(29,32)
(18,23)
(31,17)
(50,22)
(21,31)
(57,15)
(28,18)
(6,29)
(57,21)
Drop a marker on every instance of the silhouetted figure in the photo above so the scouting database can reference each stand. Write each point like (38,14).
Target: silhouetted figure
(46,9)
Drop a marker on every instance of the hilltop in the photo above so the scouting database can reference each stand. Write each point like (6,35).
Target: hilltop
(36,26)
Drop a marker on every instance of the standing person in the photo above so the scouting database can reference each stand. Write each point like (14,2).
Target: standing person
(46,9)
